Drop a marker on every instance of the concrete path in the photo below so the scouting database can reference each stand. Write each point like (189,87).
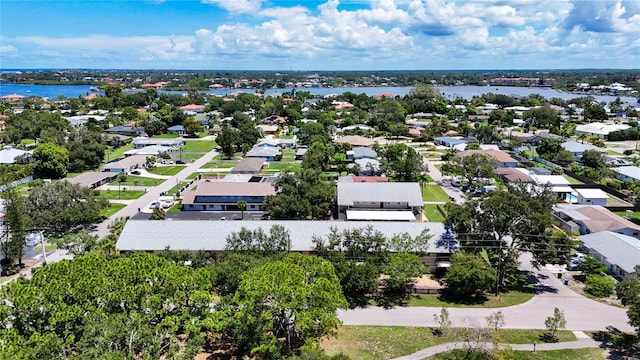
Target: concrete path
(583,342)
(581,313)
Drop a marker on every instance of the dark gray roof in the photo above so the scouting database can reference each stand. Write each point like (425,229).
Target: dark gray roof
(363,152)
(194,235)
(410,192)
(618,249)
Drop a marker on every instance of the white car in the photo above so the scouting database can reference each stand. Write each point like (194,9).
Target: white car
(154,204)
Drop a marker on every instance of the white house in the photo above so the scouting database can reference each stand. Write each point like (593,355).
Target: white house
(577,149)
(591,197)
(627,173)
(601,130)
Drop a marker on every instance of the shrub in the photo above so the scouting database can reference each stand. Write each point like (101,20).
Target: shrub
(599,286)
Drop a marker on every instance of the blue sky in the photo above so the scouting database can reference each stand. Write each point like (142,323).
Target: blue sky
(320,35)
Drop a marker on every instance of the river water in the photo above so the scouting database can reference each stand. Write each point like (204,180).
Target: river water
(450,92)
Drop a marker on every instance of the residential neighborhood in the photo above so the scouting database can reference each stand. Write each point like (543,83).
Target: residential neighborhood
(451,209)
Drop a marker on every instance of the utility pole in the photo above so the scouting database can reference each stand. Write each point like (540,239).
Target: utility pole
(499,268)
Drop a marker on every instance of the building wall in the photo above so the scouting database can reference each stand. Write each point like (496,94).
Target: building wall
(582,200)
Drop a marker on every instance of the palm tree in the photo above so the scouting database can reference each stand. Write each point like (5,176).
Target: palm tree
(582,137)
(242,205)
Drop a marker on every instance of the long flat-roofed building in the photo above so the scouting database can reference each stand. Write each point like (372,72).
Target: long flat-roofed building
(210,236)
(224,196)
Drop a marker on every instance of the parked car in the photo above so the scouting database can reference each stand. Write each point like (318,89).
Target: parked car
(136,172)
(154,204)
(167,204)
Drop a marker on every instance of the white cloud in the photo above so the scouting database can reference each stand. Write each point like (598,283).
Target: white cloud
(8,49)
(237,6)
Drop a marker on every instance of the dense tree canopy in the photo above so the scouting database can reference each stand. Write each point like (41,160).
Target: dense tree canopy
(301,196)
(131,307)
(51,161)
(63,206)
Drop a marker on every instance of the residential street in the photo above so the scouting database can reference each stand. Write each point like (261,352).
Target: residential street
(580,312)
(153,193)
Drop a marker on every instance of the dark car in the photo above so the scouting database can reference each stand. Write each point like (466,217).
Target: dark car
(180,162)
(136,172)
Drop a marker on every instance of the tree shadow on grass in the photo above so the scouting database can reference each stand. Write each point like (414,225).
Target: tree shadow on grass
(620,345)
(548,338)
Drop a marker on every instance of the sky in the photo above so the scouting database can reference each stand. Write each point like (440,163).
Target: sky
(307,35)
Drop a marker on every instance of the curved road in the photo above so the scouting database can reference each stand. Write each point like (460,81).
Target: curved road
(580,312)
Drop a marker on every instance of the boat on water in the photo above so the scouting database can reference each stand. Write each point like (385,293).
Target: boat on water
(94,88)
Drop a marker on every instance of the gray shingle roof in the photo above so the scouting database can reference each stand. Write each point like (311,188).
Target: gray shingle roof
(618,249)
(194,235)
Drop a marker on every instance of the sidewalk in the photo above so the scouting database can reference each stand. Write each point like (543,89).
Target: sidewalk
(583,342)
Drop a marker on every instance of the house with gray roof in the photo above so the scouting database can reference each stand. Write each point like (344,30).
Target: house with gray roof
(211,195)
(589,219)
(380,200)
(140,142)
(93,179)
(152,150)
(627,173)
(10,155)
(125,165)
(265,152)
(448,141)
(361,152)
(210,236)
(577,149)
(249,166)
(619,253)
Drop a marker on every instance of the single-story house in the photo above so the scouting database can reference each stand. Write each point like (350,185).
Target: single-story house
(380,200)
(266,153)
(210,195)
(125,165)
(558,183)
(125,130)
(619,253)
(192,109)
(601,130)
(503,159)
(448,141)
(627,173)
(591,197)
(577,149)
(9,154)
(153,150)
(249,166)
(355,140)
(361,152)
(210,236)
(511,175)
(356,127)
(176,129)
(589,219)
(140,142)
(300,152)
(267,129)
(93,179)
(368,166)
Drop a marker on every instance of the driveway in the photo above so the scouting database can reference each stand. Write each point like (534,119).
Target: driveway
(580,312)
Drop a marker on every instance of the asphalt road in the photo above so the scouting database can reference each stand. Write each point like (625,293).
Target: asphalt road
(580,312)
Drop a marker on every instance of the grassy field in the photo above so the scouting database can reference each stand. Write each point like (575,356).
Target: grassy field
(434,193)
(288,155)
(199,146)
(192,175)
(432,213)
(566,354)
(112,209)
(185,156)
(294,167)
(173,190)
(571,180)
(513,297)
(166,170)
(138,181)
(175,209)
(219,165)
(124,195)
(386,342)
(113,154)
(165,136)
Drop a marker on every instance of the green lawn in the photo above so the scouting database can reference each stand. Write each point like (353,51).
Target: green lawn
(199,146)
(513,297)
(166,170)
(193,175)
(572,180)
(165,136)
(175,209)
(293,167)
(189,156)
(432,213)
(434,193)
(386,342)
(112,209)
(288,155)
(124,195)
(112,154)
(175,188)
(611,152)
(133,180)
(219,165)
